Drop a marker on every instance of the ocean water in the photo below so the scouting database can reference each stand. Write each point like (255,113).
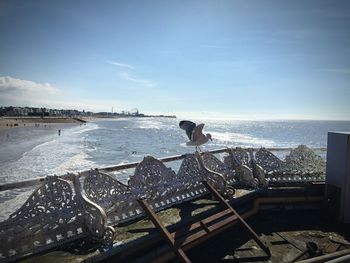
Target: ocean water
(33,152)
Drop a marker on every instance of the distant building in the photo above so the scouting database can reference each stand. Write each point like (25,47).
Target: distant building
(12,111)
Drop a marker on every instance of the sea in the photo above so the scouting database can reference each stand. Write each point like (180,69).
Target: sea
(32,152)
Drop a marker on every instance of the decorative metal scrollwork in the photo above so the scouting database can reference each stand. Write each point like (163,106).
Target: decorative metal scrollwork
(214,164)
(302,164)
(50,215)
(215,178)
(104,190)
(305,160)
(190,173)
(55,214)
(270,162)
(258,171)
(152,179)
(95,218)
(238,160)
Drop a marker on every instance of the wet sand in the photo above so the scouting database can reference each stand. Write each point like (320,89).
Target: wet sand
(16,122)
(20,159)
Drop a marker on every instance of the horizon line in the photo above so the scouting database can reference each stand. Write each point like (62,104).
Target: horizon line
(207,115)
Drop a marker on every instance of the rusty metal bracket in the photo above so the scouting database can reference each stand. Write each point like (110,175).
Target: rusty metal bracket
(256,238)
(202,230)
(165,233)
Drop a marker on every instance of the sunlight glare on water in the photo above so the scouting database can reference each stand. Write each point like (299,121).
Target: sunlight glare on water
(34,152)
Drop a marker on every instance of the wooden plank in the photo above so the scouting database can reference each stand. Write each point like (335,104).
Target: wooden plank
(152,215)
(241,220)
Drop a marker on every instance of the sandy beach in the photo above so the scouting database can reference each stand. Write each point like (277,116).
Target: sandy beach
(16,122)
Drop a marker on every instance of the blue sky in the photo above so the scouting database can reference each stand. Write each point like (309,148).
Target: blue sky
(234,59)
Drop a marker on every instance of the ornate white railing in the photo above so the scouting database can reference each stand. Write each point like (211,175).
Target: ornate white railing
(93,202)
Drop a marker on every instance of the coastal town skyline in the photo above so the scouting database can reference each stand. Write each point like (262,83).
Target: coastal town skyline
(42,112)
(202,59)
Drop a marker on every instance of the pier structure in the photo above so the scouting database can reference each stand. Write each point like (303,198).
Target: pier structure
(95,205)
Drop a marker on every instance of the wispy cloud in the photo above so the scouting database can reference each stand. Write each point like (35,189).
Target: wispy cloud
(129,77)
(122,65)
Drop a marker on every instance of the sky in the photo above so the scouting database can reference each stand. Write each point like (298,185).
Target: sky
(222,59)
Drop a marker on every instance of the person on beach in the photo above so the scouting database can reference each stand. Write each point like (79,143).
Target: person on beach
(59,132)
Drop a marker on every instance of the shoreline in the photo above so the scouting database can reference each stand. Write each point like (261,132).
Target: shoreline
(22,122)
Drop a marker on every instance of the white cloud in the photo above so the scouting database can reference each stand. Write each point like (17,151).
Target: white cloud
(19,86)
(118,64)
(144,82)
(18,92)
